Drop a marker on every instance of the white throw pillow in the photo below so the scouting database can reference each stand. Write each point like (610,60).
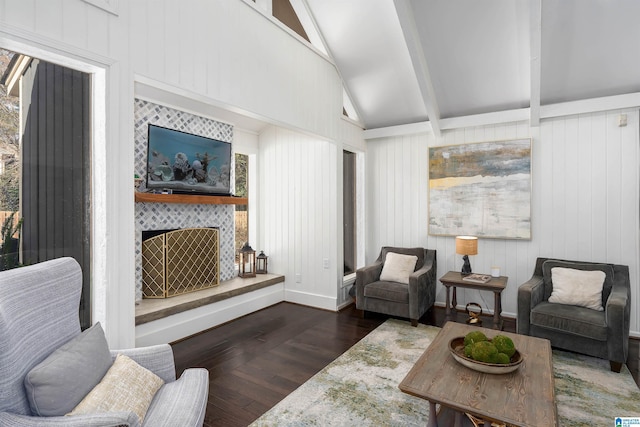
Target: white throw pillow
(398,267)
(126,387)
(577,287)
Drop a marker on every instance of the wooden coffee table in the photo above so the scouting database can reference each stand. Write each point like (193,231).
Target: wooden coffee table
(524,397)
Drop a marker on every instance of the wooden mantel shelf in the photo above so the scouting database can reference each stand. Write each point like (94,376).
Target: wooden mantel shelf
(189,198)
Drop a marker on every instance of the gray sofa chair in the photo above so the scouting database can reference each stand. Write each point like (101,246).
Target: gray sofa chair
(398,299)
(603,334)
(39,314)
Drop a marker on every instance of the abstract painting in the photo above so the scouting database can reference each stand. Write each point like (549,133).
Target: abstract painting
(481,189)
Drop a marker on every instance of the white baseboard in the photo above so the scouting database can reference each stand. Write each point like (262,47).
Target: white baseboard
(313,300)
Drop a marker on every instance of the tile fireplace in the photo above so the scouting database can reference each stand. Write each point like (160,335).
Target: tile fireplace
(167,216)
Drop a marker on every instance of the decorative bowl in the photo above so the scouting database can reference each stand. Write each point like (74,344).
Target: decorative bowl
(456,347)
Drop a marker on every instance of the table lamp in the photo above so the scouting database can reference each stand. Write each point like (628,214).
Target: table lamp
(466,245)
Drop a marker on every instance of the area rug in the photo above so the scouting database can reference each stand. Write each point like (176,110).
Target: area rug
(361,386)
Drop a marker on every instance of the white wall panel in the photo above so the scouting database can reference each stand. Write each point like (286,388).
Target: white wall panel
(585,196)
(224,50)
(173,35)
(73,29)
(244,142)
(351,136)
(139,53)
(22,14)
(150,55)
(298,225)
(48,15)
(100,23)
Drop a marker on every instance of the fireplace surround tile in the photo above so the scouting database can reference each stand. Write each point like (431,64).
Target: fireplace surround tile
(161,216)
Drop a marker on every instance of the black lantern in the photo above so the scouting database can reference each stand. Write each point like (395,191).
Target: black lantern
(261,266)
(247,264)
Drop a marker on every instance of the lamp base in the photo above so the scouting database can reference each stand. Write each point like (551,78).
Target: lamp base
(466,267)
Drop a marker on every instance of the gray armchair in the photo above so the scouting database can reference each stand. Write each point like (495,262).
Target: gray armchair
(39,314)
(410,300)
(603,334)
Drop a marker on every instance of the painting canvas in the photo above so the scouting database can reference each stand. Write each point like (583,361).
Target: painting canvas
(481,189)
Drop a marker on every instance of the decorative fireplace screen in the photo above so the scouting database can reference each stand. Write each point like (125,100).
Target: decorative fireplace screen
(180,261)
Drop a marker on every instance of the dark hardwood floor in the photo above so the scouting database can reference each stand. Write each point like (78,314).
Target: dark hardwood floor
(257,360)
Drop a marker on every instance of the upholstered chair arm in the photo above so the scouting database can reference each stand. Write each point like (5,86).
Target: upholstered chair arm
(181,403)
(366,275)
(157,358)
(105,419)
(422,285)
(530,294)
(617,313)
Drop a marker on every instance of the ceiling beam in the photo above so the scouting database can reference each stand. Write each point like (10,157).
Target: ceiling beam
(399,130)
(452,123)
(587,106)
(419,61)
(563,109)
(536,51)
(484,119)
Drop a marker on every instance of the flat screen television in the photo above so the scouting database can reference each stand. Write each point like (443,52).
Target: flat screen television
(187,163)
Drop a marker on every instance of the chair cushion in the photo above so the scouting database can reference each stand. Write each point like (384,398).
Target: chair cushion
(388,291)
(551,263)
(126,387)
(58,383)
(571,319)
(577,287)
(398,267)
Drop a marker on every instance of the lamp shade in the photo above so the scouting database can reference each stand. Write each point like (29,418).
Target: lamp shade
(466,245)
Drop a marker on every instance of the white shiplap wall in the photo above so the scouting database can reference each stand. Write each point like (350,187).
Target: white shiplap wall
(585,196)
(230,52)
(298,219)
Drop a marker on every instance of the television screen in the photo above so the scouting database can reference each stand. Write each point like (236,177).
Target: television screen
(187,163)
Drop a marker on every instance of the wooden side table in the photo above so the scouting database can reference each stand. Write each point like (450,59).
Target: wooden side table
(495,285)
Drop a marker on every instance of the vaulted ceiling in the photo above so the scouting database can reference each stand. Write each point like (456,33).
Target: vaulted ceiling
(413,61)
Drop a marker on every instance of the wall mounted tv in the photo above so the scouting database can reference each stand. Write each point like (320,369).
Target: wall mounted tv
(187,163)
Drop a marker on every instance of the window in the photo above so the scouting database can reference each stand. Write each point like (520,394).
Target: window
(285,13)
(241,190)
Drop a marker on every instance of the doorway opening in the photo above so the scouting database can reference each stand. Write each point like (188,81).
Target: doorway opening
(349,212)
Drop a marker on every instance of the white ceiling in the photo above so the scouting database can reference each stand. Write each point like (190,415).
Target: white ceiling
(408,61)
